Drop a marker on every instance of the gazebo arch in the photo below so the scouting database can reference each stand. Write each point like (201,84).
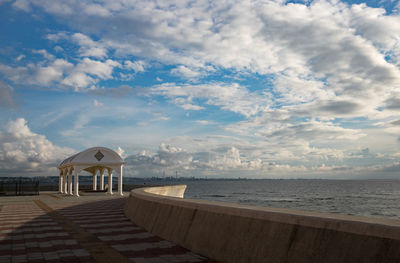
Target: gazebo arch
(90,160)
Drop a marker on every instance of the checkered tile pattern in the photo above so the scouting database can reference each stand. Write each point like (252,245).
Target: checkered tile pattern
(106,220)
(28,234)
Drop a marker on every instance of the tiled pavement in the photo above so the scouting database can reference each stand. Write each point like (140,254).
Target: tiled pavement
(90,228)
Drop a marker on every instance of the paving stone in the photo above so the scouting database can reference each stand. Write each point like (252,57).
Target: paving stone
(139,260)
(57,242)
(35,256)
(18,246)
(45,244)
(19,259)
(31,234)
(32,244)
(5,259)
(80,253)
(155,260)
(5,246)
(70,242)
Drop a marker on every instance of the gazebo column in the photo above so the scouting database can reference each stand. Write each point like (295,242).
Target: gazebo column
(110,181)
(120,181)
(65,183)
(76,181)
(95,180)
(102,179)
(60,183)
(69,181)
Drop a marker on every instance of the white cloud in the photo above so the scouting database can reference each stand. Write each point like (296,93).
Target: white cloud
(262,159)
(58,49)
(78,80)
(17,74)
(205,122)
(121,152)
(88,47)
(295,89)
(44,53)
(186,72)
(168,158)
(156,118)
(54,72)
(161,118)
(23,5)
(58,36)
(220,161)
(229,160)
(188,106)
(24,152)
(85,73)
(136,66)
(102,70)
(96,103)
(20,57)
(6,96)
(232,97)
(96,10)
(383,30)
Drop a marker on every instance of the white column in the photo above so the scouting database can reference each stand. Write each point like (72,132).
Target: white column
(95,180)
(102,179)
(110,181)
(120,181)
(76,192)
(65,183)
(69,182)
(60,183)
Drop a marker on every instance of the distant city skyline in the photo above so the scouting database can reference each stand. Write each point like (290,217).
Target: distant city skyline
(257,89)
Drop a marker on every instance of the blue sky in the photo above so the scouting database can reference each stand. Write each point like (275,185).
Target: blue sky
(258,89)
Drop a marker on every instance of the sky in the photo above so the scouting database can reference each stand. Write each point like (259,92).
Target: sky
(257,89)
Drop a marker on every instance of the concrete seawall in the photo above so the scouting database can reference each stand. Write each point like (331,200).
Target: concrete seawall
(238,233)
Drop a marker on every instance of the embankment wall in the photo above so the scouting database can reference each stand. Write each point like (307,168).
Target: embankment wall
(229,232)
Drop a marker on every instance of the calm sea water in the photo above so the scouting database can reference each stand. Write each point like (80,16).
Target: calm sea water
(372,198)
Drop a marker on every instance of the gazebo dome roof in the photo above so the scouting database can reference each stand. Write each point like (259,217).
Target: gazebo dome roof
(96,156)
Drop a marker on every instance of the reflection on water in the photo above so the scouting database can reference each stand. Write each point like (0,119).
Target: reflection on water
(375,198)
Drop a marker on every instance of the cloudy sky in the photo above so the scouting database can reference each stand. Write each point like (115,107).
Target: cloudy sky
(260,89)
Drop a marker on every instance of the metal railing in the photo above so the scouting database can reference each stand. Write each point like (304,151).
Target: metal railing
(19,186)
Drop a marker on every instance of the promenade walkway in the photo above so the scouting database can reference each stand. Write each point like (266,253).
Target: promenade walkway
(92,228)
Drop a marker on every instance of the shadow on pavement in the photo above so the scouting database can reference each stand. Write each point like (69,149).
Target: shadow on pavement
(48,228)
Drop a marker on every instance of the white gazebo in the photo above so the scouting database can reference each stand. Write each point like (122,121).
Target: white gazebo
(93,160)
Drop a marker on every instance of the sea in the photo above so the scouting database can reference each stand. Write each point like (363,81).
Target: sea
(371,198)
